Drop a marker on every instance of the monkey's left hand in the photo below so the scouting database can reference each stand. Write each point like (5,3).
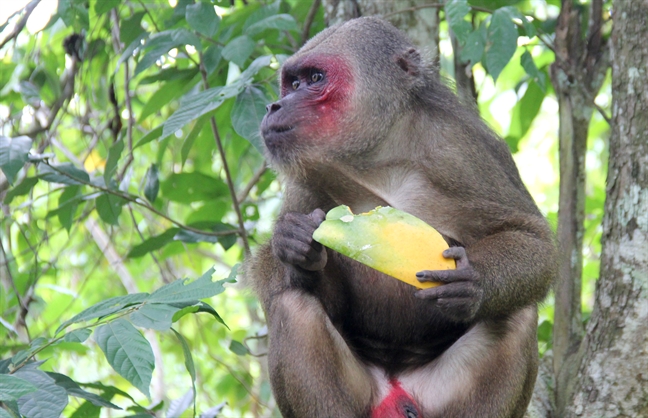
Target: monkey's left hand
(461,295)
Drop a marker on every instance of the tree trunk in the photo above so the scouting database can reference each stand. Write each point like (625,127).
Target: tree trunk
(577,75)
(613,378)
(421,25)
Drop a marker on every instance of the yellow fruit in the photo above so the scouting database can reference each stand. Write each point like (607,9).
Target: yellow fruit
(386,239)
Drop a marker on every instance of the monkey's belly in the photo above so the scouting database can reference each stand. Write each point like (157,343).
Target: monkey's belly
(395,357)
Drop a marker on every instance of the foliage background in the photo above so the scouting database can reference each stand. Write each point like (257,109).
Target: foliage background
(147,198)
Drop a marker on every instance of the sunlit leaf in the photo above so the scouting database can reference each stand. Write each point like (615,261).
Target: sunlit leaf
(68,202)
(180,405)
(103,6)
(193,187)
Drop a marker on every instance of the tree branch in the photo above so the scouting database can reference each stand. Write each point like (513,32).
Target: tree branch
(20,25)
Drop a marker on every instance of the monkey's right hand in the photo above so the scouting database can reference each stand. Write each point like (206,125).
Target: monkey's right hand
(293,243)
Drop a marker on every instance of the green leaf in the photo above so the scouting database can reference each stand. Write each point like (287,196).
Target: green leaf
(161,43)
(104,308)
(191,138)
(73,389)
(193,187)
(526,60)
(23,188)
(12,387)
(68,203)
(196,105)
(195,306)
(279,22)
(49,400)
(151,183)
(74,14)
(4,413)
(502,42)
(211,58)
(128,352)
(153,243)
(13,155)
(189,363)
(163,95)
(131,27)
(247,113)
(456,11)
(524,112)
(103,6)
(239,49)
(153,134)
(473,50)
(64,173)
(203,18)
(114,153)
(183,291)
(238,348)
(77,336)
(157,316)
(109,208)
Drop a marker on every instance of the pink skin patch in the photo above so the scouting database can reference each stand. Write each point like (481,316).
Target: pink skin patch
(397,404)
(327,102)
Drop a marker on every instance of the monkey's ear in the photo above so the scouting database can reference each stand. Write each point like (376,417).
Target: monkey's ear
(410,61)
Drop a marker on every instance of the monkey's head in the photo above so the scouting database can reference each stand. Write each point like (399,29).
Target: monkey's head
(341,93)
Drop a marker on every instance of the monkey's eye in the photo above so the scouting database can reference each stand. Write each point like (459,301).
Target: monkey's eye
(295,84)
(316,76)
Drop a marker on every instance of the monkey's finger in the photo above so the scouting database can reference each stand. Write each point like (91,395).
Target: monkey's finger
(459,290)
(445,276)
(459,255)
(318,215)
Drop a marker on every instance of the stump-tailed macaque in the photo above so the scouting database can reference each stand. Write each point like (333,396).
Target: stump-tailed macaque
(364,121)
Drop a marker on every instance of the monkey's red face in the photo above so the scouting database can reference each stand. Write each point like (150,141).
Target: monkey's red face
(315,95)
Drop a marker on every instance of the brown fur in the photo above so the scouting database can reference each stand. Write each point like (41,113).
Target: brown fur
(339,333)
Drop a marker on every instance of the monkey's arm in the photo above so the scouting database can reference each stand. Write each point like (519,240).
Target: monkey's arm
(495,275)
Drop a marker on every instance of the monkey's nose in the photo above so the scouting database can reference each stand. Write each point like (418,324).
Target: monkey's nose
(273,107)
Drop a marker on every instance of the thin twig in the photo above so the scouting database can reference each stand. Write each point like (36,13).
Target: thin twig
(255,179)
(134,199)
(20,25)
(312,12)
(603,114)
(228,175)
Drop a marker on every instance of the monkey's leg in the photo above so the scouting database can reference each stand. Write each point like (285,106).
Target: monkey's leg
(313,371)
(489,372)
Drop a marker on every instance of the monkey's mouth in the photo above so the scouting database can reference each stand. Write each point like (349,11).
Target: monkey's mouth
(278,129)
(275,136)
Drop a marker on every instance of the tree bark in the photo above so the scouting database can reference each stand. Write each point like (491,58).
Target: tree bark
(421,25)
(577,75)
(613,378)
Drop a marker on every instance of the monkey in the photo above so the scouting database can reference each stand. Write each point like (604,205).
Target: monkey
(364,120)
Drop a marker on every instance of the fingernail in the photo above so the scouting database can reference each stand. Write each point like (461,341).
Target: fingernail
(419,274)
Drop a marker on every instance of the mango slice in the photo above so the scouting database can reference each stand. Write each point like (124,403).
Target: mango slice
(386,239)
